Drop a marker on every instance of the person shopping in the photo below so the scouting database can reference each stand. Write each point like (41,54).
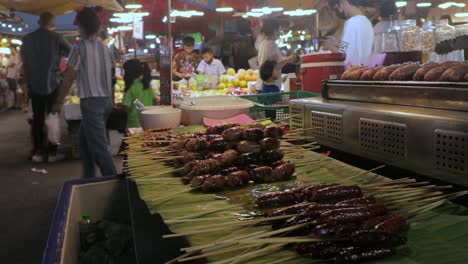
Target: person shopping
(209,65)
(137,79)
(90,63)
(41,53)
(358,36)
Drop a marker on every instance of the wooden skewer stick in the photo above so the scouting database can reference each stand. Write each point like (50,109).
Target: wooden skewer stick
(158,174)
(281,240)
(218,252)
(191,216)
(362,173)
(174,194)
(251,255)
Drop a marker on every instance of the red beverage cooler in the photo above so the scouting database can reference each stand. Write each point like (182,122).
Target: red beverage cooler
(318,67)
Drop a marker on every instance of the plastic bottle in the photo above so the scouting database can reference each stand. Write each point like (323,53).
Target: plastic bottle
(87,232)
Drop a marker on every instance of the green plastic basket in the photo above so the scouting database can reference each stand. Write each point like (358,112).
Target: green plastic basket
(274,105)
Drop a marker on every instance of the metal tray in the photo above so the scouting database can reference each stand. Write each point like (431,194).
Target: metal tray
(439,95)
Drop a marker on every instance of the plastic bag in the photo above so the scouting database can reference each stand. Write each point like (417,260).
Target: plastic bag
(53,128)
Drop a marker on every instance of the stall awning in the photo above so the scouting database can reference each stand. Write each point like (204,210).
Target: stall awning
(57,7)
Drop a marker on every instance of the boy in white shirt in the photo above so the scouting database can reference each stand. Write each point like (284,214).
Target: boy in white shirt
(209,65)
(358,35)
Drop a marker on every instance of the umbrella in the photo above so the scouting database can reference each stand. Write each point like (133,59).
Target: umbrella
(56,6)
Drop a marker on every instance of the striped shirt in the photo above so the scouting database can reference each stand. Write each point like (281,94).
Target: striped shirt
(93,61)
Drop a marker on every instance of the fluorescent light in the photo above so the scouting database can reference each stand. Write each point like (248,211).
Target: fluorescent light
(133,6)
(424,4)
(253,14)
(151,36)
(185,13)
(465,14)
(3,25)
(302,38)
(224,9)
(449,4)
(145,51)
(267,10)
(4,40)
(6,51)
(17,42)
(131,50)
(401,4)
(20,29)
(121,20)
(152,46)
(10,26)
(124,28)
(300,12)
(164,20)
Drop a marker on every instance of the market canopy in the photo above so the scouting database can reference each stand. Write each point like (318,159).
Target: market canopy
(56,7)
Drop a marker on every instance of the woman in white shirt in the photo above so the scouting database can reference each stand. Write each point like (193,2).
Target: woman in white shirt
(268,49)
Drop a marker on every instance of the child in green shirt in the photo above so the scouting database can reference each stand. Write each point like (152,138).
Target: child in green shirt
(137,77)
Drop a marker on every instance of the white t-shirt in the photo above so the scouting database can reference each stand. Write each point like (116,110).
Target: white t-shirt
(268,50)
(13,71)
(357,41)
(215,68)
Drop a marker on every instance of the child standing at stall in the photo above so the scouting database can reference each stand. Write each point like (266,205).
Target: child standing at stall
(209,64)
(270,72)
(137,79)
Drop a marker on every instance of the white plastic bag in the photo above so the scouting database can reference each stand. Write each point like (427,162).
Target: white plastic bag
(53,128)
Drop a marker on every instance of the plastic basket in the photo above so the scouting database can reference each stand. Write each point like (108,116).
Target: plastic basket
(274,105)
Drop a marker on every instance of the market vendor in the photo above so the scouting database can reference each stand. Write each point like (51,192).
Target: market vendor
(209,65)
(358,36)
(185,62)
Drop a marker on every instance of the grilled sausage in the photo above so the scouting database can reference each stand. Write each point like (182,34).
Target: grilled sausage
(292,209)
(274,132)
(404,73)
(335,193)
(455,73)
(271,156)
(279,198)
(435,74)
(356,74)
(218,129)
(323,249)
(368,75)
(269,143)
(394,224)
(384,73)
(361,255)
(419,74)
(248,146)
(351,214)
(347,75)
(359,201)
(253,134)
(284,171)
(232,134)
(262,174)
(377,238)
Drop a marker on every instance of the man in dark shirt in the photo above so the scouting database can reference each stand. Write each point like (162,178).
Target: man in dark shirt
(41,53)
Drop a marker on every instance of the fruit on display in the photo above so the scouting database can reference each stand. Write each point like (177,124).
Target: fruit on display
(74,100)
(231,72)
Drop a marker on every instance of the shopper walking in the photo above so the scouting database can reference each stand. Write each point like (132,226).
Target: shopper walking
(41,53)
(90,62)
(14,62)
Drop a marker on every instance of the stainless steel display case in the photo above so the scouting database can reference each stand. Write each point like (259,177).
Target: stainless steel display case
(422,127)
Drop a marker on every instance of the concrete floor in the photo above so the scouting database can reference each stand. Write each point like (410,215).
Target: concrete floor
(27,199)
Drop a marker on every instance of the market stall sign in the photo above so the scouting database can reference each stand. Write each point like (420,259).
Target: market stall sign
(208,4)
(138,29)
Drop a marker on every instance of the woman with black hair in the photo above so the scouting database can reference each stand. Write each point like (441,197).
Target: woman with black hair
(137,77)
(90,63)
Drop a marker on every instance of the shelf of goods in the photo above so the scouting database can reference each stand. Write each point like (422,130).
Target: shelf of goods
(409,116)
(291,208)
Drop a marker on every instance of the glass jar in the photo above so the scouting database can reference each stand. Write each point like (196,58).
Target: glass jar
(444,31)
(428,41)
(390,38)
(410,36)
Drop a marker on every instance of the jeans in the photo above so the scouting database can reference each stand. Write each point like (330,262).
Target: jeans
(41,105)
(94,143)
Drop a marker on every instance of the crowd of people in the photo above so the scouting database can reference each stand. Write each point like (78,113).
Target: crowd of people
(89,63)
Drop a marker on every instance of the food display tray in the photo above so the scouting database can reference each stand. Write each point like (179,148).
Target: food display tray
(439,95)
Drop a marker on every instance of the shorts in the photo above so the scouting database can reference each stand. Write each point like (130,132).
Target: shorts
(12,84)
